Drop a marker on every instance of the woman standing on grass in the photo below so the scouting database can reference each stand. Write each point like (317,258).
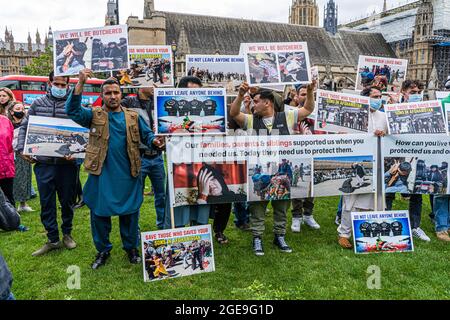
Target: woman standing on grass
(7,168)
(22,181)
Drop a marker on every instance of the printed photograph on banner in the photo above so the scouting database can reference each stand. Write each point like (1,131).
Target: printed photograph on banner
(217,71)
(55,137)
(447,114)
(342,112)
(100,49)
(288,179)
(190,111)
(384,231)
(209,183)
(177,253)
(416,118)
(387,73)
(416,175)
(343,175)
(441,95)
(149,66)
(277,63)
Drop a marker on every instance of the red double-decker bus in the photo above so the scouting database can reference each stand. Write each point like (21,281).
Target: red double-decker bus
(28,88)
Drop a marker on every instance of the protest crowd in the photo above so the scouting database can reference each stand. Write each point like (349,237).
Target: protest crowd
(124,147)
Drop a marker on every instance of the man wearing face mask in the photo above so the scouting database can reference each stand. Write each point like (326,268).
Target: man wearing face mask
(364,202)
(412,91)
(302,209)
(55,176)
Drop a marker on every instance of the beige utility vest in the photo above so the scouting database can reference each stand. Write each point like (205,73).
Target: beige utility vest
(98,141)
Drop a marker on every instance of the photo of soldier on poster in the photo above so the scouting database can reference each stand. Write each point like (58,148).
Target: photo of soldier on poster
(54,137)
(99,49)
(149,66)
(416,118)
(217,71)
(341,112)
(415,175)
(177,253)
(288,179)
(190,111)
(277,63)
(343,176)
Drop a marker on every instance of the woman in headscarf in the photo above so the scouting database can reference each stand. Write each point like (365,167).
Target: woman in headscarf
(22,181)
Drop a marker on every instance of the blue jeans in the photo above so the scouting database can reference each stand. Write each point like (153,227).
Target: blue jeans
(52,181)
(154,169)
(441,211)
(241,213)
(415,207)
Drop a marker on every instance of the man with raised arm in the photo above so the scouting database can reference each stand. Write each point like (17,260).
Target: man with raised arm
(114,187)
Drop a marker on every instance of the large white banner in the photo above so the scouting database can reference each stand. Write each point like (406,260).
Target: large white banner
(239,168)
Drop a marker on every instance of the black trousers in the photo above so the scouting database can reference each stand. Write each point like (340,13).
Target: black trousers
(222,214)
(55,180)
(7,186)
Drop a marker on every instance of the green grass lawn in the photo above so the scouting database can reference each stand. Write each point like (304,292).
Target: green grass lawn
(317,269)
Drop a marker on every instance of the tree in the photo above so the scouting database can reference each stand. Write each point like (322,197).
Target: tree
(41,65)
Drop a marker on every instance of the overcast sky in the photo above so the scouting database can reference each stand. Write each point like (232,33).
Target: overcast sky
(25,16)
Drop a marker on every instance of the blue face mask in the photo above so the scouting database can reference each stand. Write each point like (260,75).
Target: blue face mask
(58,92)
(415,98)
(376,104)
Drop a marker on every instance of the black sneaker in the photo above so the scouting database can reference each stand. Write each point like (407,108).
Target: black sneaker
(280,242)
(100,260)
(133,256)
(257,246)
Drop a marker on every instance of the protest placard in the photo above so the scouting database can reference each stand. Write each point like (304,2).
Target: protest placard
(100,49)
(388,73)
(277,63)
(217,71)
(175,253)
(341,112)
(415,164)
(441,95)
(382,231)
(55,137)
(416,118)
(149,66)
(198,111)
(278,167)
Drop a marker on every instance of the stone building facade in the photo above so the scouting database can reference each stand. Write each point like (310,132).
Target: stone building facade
(335,55)
(14,56)
(418,31)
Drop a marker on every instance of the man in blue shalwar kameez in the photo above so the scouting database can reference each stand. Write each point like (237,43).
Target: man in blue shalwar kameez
(114,187)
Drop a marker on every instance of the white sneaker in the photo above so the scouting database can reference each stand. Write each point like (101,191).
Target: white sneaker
(419,233)
(25,209)
(337,221)
(296,224)
(310,222)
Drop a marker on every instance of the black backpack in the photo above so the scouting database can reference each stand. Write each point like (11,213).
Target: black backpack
(9,217)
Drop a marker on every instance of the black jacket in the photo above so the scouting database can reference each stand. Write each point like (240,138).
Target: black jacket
(46,106)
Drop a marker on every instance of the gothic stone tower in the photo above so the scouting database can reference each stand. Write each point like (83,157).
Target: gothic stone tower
(421,59)
(304,12)
(149,31)
(330,21)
